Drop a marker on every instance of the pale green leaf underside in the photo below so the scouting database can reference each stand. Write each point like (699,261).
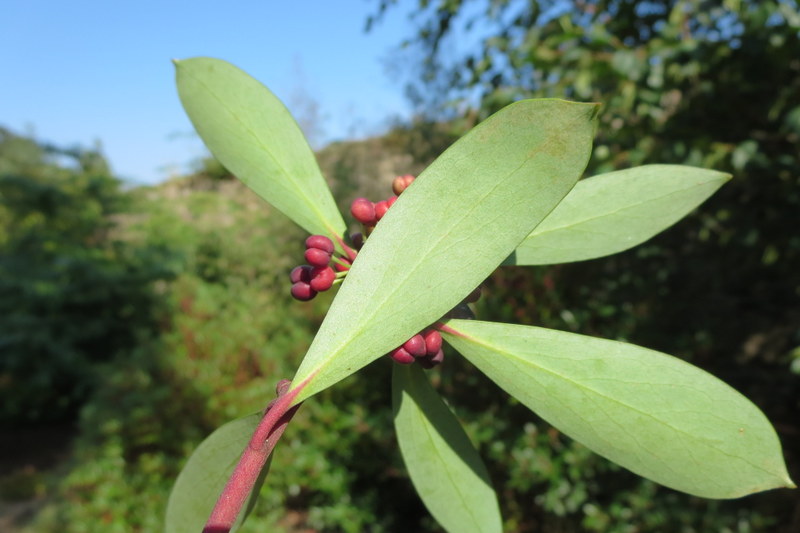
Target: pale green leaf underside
(251,132)
(203,477)
(613,212)
(656,415)
(449,230)
(444,466)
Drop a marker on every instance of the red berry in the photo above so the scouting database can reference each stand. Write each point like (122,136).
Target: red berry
(300,273)
(317,257)
(364,211)
(381,208)
(430,361)
(322,278)
(433,341)
(400,355)
(401,183)
(302,291)
(390,202)
(321,242)
(415,345)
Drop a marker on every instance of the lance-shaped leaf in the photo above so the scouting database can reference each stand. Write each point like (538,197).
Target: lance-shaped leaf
(203,477)
(445,468)
(656,415)
(613,212)
(251,132)
(449,230)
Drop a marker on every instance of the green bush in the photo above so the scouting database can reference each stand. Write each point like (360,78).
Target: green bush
(72,294)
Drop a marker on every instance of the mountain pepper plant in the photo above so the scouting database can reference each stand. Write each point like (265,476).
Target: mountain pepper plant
(507,193)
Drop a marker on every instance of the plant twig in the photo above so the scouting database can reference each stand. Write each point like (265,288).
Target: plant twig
(230,503)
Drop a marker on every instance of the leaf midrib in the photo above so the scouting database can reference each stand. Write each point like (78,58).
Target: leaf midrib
(527,362)
(328,360)
(439,456)
(582,221)
(299,190)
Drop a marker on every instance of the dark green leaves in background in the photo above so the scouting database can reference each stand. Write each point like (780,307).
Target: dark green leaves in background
(656,415)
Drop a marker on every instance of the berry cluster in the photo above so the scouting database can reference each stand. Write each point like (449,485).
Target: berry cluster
(425,348)
(318,275)
(369,213)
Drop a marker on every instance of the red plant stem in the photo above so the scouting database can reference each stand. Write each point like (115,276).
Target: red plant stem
(252,461)
(351,254)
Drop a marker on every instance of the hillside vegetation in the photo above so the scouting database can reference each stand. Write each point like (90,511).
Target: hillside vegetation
(144,318)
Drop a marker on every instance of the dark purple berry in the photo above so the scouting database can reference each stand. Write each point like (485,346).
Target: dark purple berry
(430,361)
(358,240)
(320,242)
(415,345)
(400,355)
(322,278)
(401,183)
(317,257)
(433,341)
(364,211)
(381,208)
(300,273)
(302,291)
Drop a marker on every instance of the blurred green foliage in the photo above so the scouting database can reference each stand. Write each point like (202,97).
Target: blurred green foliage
(72,293)
(199,265)
(713,84)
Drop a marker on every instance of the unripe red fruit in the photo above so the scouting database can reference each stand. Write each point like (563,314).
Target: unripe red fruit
(401,183)
(364,211)
(430,361)
(322,278)
(381,208)
(302,291)
(317,257)
(300,273)
(400,355)
(390,202)
(433,341)
(321,242)
(415,346)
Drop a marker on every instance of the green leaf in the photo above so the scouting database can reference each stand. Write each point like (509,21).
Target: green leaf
(202,479)
(253,135)
(616,211)
(449,230)
(445,468)
(656,415)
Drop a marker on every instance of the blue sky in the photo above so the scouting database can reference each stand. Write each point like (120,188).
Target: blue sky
(84,71)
